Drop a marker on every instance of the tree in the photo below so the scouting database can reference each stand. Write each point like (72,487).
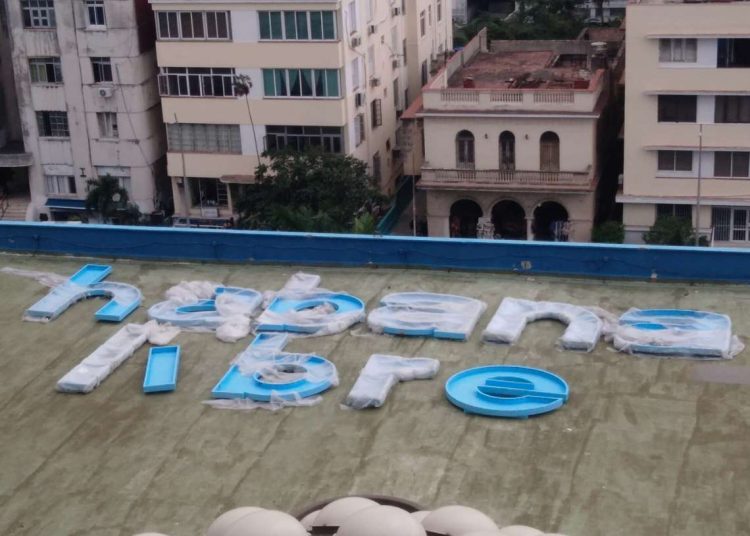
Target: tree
(672,231)
(106,197)
(308,191)
(609,232)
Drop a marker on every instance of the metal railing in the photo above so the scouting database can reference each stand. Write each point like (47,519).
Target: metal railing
(499,177)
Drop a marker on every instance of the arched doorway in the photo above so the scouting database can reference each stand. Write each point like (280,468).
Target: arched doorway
(549,152)
(509,220)
(507,151)
(465,150)
(551,222)
(464,217)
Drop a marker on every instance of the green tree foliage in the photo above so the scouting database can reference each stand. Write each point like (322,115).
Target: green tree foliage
(609,232)
(536,19)
(672,231)
(309,191)
(106,197)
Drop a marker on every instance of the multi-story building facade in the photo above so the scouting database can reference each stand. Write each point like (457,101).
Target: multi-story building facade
(334,74)
(85,85)
(511,140)
(687,118)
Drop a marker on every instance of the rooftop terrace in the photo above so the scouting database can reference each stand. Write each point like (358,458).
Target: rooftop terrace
(644,446)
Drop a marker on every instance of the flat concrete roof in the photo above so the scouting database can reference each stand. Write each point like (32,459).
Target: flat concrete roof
(640,448)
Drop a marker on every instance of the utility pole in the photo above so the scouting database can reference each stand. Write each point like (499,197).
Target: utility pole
(700,176)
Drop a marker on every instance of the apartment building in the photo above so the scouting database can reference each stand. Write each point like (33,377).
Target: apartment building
(332,74)
(86,90)
(511,135)
(687,118)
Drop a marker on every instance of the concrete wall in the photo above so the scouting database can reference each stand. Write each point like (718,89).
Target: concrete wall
(646,78)
(588,260)
(134,99)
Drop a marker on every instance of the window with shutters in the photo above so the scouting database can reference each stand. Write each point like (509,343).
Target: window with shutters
(549,152)
(465,149)
(359,129)
(507,151)
(376,112)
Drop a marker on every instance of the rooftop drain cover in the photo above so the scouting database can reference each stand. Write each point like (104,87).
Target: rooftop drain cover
(506,391)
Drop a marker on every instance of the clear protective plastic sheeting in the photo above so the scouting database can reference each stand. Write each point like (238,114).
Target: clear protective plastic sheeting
(426,314)
(302,308)
(382,372)
(676,333)
(584,327)
(91,371)
(276,403)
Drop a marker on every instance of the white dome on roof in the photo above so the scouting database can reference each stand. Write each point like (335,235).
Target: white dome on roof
(381,521)
(520,530)
(222,523)
(419,515)
(267,523)
(457,520)
(309,519)
(334,513)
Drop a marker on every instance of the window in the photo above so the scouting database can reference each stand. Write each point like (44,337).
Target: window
(352,17)
(196,82)
(52,124)
(95,12)
(396,95)
(422,24)
(549,152)
(507,151)
(439,10)
(297,25)
(102,69)
(425,73)
(732,109)
(329,139)
(678,50)
(677,108)
(377,166)
(359,129)
(465,149)
(38,13)
(322,83)
(355,74)
(403,48)
(60,184)
(684,212)
(200,138)
(731,224)
(370,9)
(733,53)
(429,15)
(45,71)
(376,112)
(193,25)
(731,164)
(107,125)
(675,161)
(208,192)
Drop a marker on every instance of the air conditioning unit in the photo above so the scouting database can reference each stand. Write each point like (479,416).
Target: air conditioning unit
(374,81)
(395,63)
(356,41)
(371,29)
(396,11)
(106,92)
(359,100)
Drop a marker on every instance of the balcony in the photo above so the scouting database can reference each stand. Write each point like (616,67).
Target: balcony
(496,179)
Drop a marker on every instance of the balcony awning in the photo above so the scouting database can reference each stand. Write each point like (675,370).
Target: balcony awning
(66,204)
(237,179)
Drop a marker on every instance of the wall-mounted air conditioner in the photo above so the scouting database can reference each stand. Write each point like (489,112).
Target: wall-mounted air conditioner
(105,92)
(356,41)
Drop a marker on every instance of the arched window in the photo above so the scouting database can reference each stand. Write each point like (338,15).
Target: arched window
(465,149)
(507,151)
(549,153)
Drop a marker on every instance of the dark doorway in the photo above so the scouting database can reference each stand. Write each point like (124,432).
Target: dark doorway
(551,222)
(464,217)
(509,220)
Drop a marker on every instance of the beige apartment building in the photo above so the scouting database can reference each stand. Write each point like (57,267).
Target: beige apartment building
(688,71)
(333,74)
(84,87)
(511,136)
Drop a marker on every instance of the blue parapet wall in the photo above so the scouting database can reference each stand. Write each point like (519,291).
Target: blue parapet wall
(551,258)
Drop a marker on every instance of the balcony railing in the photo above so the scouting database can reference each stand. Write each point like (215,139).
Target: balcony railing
(498,178)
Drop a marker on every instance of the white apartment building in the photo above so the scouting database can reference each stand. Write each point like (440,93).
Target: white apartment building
(86,93)
(328,73)
(511,138)
(688,70)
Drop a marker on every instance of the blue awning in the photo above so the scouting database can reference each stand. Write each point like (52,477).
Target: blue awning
(66,204)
